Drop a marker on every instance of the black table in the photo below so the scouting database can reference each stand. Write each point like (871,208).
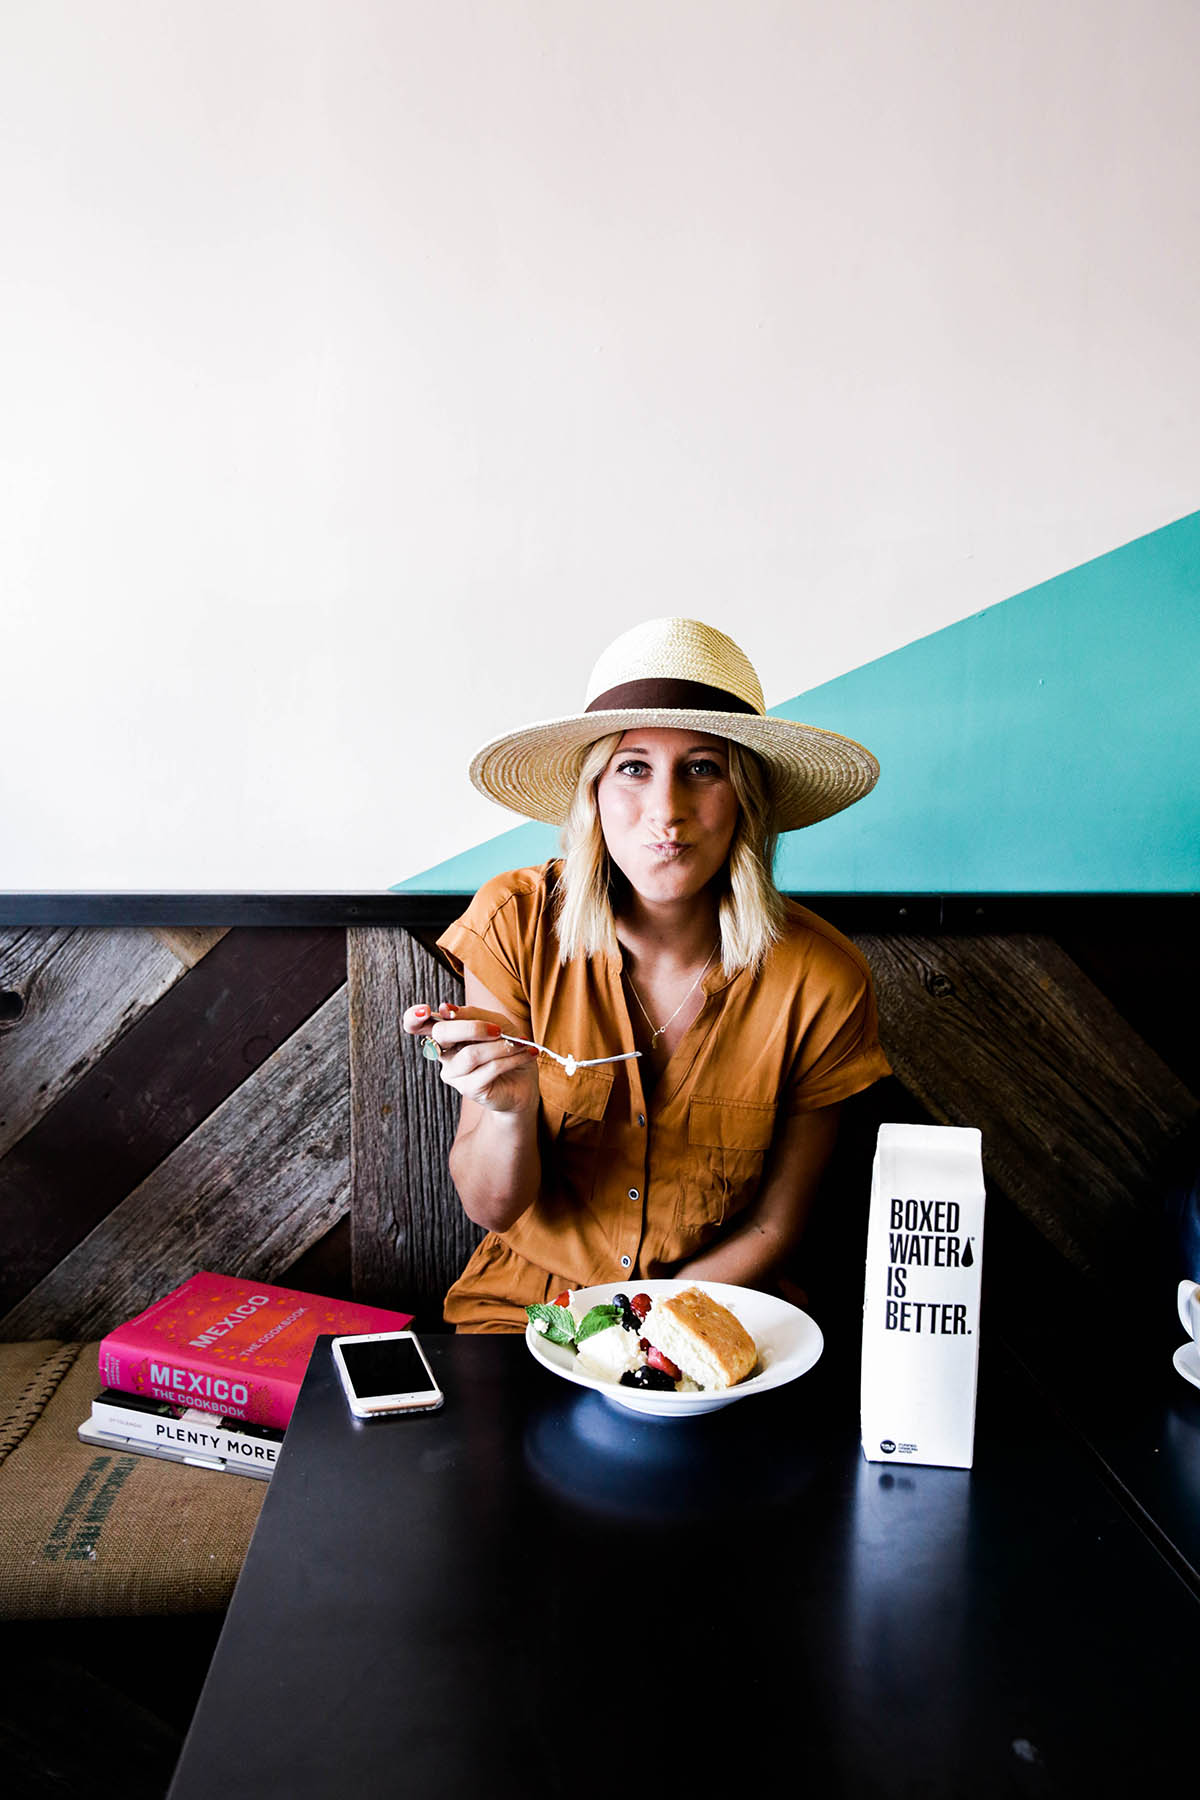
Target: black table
(1106,1372)
(532,1592)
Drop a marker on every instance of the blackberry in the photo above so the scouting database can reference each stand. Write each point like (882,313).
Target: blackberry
(648,1378)
(629,1319)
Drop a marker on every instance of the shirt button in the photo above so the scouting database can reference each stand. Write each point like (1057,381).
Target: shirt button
(633,1194)
(627,1262)
(641,1118)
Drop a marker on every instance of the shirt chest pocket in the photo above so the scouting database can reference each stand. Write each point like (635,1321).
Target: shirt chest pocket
(573,1106)
(728,1143)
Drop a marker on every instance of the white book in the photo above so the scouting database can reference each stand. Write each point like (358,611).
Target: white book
(187,1433)
(90,1433)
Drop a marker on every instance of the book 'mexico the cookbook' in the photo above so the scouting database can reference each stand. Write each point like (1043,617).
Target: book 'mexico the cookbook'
(230,1346)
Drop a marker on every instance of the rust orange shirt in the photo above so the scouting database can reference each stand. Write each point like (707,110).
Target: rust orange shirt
(632,1186)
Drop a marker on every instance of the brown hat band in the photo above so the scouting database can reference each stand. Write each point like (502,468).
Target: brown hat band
(656,694)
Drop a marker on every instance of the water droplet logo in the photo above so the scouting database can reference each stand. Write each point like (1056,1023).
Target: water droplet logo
(968,1256)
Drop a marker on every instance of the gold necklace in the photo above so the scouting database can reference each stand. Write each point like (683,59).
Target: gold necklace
(656,1031)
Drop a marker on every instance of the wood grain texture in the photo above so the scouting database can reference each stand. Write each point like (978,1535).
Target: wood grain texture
(189,942)
(409,1234)
(173,1067)
(1144,970)
(324,1268)
(1078,1115)
(65,997)
(259,1182)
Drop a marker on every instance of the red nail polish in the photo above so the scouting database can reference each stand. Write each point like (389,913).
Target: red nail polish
(493,1031)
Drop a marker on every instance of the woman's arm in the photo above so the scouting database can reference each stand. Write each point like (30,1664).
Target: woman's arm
(494,1160)
(762,1237)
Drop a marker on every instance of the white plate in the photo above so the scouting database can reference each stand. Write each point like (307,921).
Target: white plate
(788,1341)
(1187,1361)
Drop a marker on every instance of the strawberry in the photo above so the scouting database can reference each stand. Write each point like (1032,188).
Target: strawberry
(657,1360)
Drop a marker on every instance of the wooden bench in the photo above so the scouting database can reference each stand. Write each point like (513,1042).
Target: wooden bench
(184,1089)
(222,1082)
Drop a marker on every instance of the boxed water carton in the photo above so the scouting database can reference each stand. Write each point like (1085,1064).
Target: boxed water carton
(920,1349)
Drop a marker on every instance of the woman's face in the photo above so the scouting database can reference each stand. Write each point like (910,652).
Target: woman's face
(668,811)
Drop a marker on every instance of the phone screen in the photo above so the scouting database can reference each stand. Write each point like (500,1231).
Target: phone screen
(389,1366)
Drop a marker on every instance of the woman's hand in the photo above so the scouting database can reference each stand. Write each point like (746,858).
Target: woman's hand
(476,1060)
(494,1160)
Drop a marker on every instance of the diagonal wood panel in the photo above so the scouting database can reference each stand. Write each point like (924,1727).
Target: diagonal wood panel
(1005,1032)
(189,943)
(250,1190)
(410,1236)
(1078,1115)
(150,1090)
(68,996)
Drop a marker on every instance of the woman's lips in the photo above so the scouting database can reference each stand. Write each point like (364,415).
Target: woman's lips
(668,851)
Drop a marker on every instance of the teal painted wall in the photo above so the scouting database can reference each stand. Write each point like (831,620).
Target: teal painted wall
(1050,744)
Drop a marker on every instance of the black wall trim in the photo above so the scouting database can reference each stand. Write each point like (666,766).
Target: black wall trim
(919,913)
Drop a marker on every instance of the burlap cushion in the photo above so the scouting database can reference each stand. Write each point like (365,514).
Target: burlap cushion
(88,1532)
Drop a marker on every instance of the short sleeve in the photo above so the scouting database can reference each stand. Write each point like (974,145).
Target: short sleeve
(493,941)
(840,1054)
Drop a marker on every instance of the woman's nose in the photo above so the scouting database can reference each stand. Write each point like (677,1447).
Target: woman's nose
(667,799)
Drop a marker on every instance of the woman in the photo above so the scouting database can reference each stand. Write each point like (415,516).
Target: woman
(654,1045)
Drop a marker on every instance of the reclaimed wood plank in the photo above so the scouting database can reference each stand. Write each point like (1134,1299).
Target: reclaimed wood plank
(253,1187)
(1143,968)
(1078,1115)
(168,1072)
(324,1268)
(409,1234)
(65,997)
(189,942)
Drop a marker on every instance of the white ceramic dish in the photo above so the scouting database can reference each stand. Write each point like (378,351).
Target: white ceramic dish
(789,1343)
(1187,1361)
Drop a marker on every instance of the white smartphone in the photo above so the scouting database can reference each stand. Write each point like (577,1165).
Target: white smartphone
(385,1372)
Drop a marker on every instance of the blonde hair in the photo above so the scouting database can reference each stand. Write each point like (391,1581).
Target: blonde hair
(751,909)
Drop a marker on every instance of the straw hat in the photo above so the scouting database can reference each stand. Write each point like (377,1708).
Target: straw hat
(676,674)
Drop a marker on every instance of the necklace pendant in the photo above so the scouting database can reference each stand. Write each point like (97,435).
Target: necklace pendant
(654,1040)
(570,1065)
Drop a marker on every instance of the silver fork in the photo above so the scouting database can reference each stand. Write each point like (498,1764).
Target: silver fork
(570,1063)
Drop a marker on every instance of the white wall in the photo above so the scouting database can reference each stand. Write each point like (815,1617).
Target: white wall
(366,367)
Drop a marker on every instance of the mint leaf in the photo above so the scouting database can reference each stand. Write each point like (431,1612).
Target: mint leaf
(560,1323)
(597,1318)
(562,1329)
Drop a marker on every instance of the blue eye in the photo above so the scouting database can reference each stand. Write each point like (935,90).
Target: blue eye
(633,767)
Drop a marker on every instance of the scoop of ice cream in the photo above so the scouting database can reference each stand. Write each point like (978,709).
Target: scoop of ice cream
(610,1352)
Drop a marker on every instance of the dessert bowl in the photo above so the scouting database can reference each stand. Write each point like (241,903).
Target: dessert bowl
(788,1343)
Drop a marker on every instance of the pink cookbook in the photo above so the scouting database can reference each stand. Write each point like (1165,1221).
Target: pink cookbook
(230,1346)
